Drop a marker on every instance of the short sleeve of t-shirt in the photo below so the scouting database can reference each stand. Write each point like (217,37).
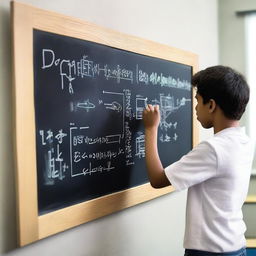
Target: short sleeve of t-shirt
(197,166)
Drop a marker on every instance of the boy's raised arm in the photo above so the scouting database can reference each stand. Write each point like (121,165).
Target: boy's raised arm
(156,174)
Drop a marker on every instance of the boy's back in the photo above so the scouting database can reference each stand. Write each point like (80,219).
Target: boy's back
(217,173)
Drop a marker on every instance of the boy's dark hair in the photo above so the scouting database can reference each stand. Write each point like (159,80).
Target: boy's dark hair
(227,87)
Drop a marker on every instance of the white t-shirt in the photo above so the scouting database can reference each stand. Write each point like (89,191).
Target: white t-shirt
(217,173)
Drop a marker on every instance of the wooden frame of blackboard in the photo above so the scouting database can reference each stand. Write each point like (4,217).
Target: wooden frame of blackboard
(25,18)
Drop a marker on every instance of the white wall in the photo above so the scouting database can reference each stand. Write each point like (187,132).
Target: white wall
(232,32)
(233,49)
(152,228)
(232,44)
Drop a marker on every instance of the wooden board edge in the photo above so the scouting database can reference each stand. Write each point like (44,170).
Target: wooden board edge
(250,199)
(51,21)
(78,214)
(251,242)
(24,151)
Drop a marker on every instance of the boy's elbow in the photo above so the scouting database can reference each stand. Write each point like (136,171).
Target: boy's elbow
(159,184)
(155,185)
(159,179)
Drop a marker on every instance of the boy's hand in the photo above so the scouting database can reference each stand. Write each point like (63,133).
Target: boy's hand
(151,116)
(156,174)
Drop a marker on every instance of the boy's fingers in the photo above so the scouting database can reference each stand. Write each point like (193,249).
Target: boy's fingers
(151,107)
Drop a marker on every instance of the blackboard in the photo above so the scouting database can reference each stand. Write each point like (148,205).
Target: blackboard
(88,100)
(79,92)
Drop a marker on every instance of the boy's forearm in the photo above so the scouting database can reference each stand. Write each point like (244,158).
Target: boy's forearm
(154,166)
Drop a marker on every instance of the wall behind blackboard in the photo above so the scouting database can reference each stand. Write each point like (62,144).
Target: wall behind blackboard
(89,100)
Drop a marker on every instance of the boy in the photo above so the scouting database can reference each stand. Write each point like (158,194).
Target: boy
(216,172)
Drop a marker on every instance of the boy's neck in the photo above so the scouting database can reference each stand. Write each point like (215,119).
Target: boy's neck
(224,124)
(221,122)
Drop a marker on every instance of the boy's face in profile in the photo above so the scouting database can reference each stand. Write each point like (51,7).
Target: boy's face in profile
(202,112)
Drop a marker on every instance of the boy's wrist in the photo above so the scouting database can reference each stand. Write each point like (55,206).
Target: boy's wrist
(152,129)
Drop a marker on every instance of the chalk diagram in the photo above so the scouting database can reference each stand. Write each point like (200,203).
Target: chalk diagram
(140,145)
(83,105)
(114,101)
(114,106)
(81,162)
(166,138)
(167,105)
(141,104)
(87,105)
(78,136)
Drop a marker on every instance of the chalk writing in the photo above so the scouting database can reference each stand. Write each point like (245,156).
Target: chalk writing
(91,170)
(69,70)
(55,166)
(161,79)
(140,145)
(89,100)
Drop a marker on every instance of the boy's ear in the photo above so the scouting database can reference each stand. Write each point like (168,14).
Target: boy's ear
(212,105)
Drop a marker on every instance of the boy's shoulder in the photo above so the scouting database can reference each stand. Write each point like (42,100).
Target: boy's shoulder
(232,143)
(230,135)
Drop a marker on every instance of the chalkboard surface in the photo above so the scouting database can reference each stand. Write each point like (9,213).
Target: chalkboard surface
(89,100)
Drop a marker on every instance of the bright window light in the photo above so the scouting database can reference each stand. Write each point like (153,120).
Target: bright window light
(250,28)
